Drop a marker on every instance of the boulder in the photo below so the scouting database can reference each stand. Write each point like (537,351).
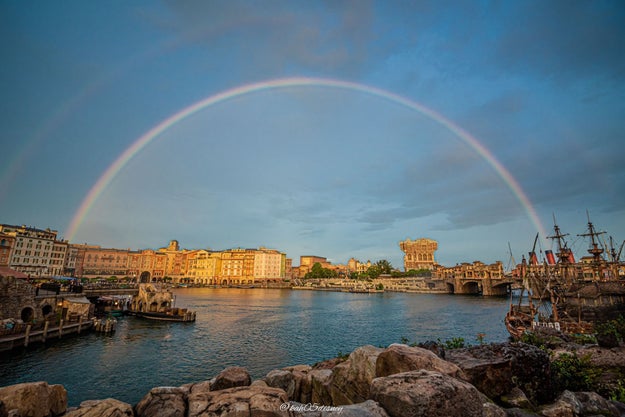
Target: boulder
(403,358)
(321,385)
(283,379)
(234,376)
(594,404)
(163,402)
(239,401)
(496,368)
(516,399)
(351,379)
(99,408)
(426,393)
(566,405)
(492,410)
(36,399)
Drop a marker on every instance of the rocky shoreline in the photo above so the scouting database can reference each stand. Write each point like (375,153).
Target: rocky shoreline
(489,380)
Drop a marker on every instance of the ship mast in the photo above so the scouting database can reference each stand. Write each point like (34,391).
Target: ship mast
(564,254)
(595,249)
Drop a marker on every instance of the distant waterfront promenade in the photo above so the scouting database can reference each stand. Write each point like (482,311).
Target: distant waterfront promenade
(260,329)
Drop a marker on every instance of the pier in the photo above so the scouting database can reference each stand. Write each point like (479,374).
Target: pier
(23,335)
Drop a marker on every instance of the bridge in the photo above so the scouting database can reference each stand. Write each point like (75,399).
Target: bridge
(479,285)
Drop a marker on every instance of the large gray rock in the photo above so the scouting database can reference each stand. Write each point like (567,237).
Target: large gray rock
(163,402)
(234,376)
(321,384)
(566,405)
(516,399)
(570,404)
(492,410)
(102,408)
(426,394)
(36,399)
(350,380)
(296,381)
(255,400)
(403,358)
(496,368)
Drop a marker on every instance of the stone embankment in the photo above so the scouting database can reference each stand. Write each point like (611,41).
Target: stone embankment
(497,380)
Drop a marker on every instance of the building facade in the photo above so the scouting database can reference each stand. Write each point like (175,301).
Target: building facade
(6,247)
(419,254)
(32,250)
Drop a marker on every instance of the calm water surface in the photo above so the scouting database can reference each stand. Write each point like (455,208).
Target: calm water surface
(258,329)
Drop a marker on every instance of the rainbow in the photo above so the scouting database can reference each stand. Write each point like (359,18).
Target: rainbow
(144,140)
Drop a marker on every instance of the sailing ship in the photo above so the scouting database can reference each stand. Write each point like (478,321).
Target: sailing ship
(565,295)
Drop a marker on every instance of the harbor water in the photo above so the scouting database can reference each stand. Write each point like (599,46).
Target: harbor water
(259,329)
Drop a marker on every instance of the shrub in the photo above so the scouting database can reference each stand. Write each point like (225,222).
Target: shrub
(573,373)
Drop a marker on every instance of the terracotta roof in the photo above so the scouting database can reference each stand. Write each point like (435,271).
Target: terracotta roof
(5,271)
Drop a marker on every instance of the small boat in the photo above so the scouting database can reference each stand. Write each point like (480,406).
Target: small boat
(157,303)
(112,305)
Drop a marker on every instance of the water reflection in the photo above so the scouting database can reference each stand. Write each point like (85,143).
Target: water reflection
(255,328)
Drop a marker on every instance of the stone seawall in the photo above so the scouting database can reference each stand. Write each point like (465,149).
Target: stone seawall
(505,379)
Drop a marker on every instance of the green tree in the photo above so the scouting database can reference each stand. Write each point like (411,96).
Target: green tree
(384,266)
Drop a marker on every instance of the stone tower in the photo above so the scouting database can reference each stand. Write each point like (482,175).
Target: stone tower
(419,254)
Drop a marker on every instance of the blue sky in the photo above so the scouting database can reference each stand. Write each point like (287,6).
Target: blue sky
(314,170)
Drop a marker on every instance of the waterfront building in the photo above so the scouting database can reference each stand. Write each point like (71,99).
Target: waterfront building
(477,269)
(269,264)
(176,266)
(71,258)
(354,265)
(237,267)
(203,267)
(104,262)
(146,265)
(56,266)
(32,250)
(6,247)
(419,254)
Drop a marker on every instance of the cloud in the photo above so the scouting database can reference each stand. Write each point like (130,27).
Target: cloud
(565,39)
(279,36)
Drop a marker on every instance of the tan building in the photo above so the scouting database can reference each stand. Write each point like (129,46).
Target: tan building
(203,267)
(6,247)
(354,265)
(32,250)
(269,264)
(477,269)
(419,254)
(56,265)
(237,267)
(146,265)
(176,266)
(103,262)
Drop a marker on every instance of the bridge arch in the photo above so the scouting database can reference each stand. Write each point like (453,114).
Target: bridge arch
(471,287)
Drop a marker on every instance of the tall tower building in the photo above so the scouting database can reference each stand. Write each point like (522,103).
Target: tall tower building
(419,254)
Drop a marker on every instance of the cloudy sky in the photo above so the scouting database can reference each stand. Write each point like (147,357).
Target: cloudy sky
(415,106)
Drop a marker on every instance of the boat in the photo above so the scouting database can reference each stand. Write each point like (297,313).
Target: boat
(567,296)
(155,302)
(112,305)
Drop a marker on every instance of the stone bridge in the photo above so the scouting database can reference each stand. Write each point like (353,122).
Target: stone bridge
(479,285)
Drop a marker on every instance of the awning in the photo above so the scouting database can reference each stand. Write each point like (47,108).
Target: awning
(78,300)
(60,278)
(5,271)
